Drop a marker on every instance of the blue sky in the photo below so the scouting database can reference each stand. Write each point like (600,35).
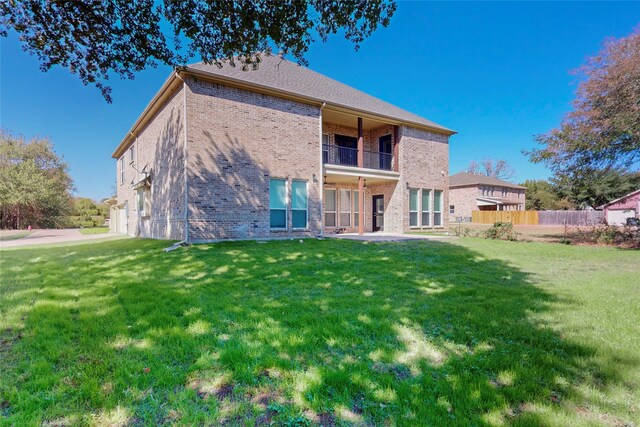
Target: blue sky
(498,73)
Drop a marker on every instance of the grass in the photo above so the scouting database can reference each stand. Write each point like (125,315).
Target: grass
(321,332)
(14,236)
(94,230)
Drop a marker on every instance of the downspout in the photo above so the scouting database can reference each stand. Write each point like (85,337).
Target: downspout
(184,157)
(321,176)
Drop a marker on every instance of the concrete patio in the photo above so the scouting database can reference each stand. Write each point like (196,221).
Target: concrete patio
(388,237)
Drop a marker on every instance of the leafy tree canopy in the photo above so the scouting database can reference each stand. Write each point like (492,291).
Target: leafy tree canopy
(595,187)
(496,168)
(97,38)
(36,186)
(542,195)
(603,130)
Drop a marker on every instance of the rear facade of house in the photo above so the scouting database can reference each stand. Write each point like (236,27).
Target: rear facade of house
(277,152)
(473,192)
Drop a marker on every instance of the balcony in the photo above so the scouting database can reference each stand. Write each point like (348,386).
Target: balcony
(345,156)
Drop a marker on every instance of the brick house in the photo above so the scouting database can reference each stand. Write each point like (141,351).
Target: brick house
(471,192)
(617,211)
(281,151)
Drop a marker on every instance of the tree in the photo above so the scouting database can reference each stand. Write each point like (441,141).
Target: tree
(542,195)
(36,186)
(594,187)
(603,131)
(96,38)
(496,168)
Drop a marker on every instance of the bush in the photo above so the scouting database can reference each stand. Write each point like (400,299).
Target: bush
(501,231)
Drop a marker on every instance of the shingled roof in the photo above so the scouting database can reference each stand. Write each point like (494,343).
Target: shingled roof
(287,77)
(463,179)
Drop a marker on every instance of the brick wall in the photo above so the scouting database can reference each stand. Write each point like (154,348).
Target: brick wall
(464,198)
(237,140)
(424,164)
(159,147)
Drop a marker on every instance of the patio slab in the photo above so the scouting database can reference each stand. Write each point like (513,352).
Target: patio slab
(388,237)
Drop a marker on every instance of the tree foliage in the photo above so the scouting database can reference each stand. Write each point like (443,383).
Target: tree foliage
(36,186)
(500,169)
(595,187)
(542,195)
(99,37)
(603,130)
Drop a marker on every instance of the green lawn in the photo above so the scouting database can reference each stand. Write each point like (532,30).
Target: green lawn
(94,230)
(473,332)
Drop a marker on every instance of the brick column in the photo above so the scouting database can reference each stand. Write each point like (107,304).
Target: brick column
(360,179)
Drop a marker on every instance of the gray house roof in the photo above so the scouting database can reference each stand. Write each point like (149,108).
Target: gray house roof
(463,179)
(288,77)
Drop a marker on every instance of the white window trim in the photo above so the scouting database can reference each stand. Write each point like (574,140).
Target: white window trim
(286,204)
(364,211)
(417,211)
(334,212)
(440,209)
(430,210)
(132,158)
(350,212)
(121,161)
(452,211)
(306,225)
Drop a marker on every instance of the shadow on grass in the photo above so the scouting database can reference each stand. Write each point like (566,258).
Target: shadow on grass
(334,332)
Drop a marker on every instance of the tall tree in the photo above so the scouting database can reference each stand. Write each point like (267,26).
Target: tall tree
(542,195)
(595,187)
(94,38)
(603,130)
(36,186)
(500,169)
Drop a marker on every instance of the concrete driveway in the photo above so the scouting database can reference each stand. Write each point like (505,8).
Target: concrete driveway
(46,237)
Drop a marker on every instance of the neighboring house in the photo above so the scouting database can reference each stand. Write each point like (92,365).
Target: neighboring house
(472,192)
(282,151)
(617,211)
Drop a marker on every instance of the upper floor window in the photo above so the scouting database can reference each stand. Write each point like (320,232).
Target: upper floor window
(505,192)
(132,155)
(122,170)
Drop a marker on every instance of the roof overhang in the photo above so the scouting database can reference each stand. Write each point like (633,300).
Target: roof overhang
(488,201)
(177,77)
(633,193)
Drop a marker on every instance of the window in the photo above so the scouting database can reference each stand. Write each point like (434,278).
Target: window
(519,193)
(452,209)
(132,156)
(491,191)
(330,208)
(413,207)
(505,192)
(325,148)
(143,201)
(426,207)
(437,208)
(122,170)
(278,203)
(385,148)
(356,208)
(299,203)
(345,208)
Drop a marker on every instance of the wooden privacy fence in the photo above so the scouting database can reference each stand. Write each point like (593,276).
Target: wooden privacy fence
(570,217)
(574,218)
(514,217)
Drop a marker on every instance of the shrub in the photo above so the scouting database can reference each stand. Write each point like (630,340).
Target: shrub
(501,231)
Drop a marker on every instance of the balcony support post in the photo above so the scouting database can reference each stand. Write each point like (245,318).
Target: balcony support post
(360,179)
(396,150)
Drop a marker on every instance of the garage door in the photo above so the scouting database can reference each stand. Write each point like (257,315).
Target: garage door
(619,216)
